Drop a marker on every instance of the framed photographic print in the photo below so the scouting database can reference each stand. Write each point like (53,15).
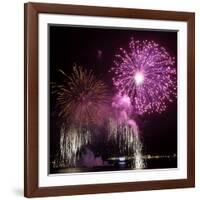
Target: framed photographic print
(109,99)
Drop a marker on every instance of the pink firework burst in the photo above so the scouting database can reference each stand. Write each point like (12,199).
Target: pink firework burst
(147,74)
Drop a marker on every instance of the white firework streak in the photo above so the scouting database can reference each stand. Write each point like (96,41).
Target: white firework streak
(126,135)
(72,140)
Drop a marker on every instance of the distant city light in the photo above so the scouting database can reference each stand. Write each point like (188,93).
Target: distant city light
(122,158)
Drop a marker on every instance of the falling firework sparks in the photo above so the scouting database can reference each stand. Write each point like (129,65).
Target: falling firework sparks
(147,75)
(126,136)
(124,131)
(72,140)
(82,99)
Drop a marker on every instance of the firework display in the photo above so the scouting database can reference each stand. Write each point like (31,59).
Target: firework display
(124,132)
(105,124)
(82,99)
(146,73)
(126,137)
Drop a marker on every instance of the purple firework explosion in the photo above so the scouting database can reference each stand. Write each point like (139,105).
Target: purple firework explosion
(147,74)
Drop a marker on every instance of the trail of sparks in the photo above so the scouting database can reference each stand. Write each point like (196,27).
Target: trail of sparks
(72,141)
(124,132)
(126,136)
(147,74)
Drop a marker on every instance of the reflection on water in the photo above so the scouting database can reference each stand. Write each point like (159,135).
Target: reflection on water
(121,163)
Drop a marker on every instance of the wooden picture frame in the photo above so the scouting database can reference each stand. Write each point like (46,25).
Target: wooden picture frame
(31,102)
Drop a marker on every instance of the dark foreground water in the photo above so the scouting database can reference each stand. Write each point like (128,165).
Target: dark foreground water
(153,163)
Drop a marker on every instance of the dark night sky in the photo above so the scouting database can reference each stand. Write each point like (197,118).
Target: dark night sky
(95,48)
